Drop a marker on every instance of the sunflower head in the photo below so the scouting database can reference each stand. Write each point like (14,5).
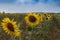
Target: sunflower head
(41,18)
(32,19)
(10,27)
(47,16)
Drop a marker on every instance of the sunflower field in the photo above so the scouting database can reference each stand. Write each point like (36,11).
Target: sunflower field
(29,26)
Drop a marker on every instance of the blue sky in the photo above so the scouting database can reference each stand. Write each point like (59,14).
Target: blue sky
(23,6)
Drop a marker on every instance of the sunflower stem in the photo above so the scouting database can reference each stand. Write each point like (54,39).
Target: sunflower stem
(12,38)
(32,33)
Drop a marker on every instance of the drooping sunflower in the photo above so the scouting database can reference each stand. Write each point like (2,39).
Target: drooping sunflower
(10,27)
(32,19)
(47,16)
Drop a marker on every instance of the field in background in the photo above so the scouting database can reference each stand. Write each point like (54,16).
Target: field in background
(47,30)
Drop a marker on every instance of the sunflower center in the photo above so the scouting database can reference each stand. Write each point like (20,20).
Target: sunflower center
(46,18)
(32,19)
(10,27)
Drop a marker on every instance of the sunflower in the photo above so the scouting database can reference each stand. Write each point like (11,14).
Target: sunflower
(32,19)
(48,16)
(10,27)
(40,16)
